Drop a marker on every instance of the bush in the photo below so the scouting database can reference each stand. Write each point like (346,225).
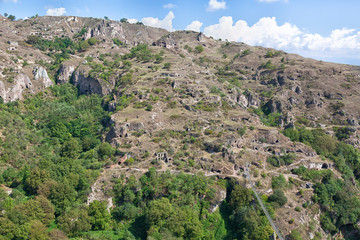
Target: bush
(278,182)
(92,41)
(106,150)
(295,235)
(199,49)
(117,42)
(278,198)
(167,65)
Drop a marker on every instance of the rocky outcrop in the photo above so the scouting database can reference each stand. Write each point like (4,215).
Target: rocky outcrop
(64,74)
(2,90)
(167,41)
(219,198)
(273,106)
(22,82)
(89,85)
(40,74)
(122,130)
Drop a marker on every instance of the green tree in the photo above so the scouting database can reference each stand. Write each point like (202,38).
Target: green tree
(11,17)
(278,198)
(239,197)
(99,216)
(38,231)
(124,20)
(75,221)
(37,177)
(106,150)
(71,149)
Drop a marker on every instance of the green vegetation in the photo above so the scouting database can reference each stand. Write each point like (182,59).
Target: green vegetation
(51,154)
(199,49)
(117,42)
(338,197)
(271,54)
(268,65)
(278,161)
(266,117)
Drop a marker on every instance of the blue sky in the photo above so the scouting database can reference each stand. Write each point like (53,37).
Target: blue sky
(322,29)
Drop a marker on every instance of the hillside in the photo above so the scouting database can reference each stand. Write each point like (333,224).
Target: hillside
(145,123)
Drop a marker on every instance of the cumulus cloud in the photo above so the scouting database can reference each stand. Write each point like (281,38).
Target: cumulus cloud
(165,23)
(132,20)
(194,26)
(56,11)
(267,32)
(215,5)
(169,6)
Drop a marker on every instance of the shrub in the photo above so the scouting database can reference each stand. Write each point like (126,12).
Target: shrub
(278,182)
(92,41)
(199,49)
(295,235)
(167,65)
(117,42)
(278,198)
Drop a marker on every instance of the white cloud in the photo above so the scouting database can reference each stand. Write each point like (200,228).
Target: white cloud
(56,11)
(268,33)
(132,20)
(169,6)
(165,23)
(215,5)
(194,26)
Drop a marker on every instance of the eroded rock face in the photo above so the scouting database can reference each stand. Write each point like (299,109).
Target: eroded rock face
(65,73)
(40,74)
(122,130)
(89,85)
(22,82)
(167,42)
(2,90)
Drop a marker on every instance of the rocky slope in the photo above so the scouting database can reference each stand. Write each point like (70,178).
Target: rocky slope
(195,105)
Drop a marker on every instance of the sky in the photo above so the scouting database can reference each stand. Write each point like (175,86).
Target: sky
(327,30)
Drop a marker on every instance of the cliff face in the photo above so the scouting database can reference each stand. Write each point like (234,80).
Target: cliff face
(21,84)
(90,85)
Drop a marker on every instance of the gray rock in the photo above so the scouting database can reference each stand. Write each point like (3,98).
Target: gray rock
(252,100)
(2,91)
(89,85)
(13,43)
(242,100)
(22,82)
(40,74)
(65,73)
(167,41)
(352,122)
